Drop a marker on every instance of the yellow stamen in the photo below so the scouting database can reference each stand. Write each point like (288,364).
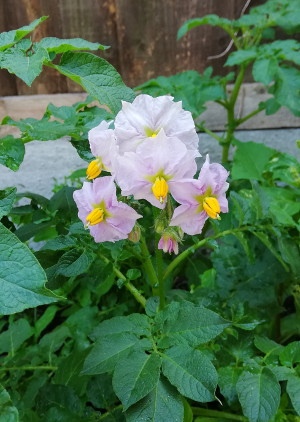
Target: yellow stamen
(95,217)
(212,207)
(94,169)
(160,189)
(154,135)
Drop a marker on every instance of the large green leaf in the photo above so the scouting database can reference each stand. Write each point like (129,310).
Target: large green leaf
(293,389)
(286,89)
(250,160)
(26,67)
(228,377)
(163,404)
(42,130)
(259,395)
(99,78)
(22,279)
(107,352)
(185,323)
(7,198)
(58,45)
(136,376)
(12,152)
(7,39)
(8,412)
(191,372)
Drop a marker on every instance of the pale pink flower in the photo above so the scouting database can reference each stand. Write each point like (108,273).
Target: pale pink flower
(168,243)
(107,219)
(146,116)
(103,146)
(153,170)
(200,199)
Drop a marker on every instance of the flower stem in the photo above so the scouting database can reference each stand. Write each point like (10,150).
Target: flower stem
(148,266)
(197,245)
(159,266)
(129,286)
(198,411)
(29,368)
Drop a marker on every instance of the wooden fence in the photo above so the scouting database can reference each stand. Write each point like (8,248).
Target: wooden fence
(141,33)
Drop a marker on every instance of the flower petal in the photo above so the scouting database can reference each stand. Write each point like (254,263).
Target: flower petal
(190,221)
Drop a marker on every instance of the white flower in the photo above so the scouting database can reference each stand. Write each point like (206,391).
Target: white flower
(146,116)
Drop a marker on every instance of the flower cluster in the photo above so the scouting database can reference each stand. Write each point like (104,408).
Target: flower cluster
(150,154)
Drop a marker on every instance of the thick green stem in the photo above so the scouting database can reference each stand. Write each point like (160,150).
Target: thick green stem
(148,266)
(198,411)
(129,286)
(231,122)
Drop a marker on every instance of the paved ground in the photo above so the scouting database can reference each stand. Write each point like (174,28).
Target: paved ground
(47,163)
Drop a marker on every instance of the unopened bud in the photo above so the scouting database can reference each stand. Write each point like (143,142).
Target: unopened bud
(135,234)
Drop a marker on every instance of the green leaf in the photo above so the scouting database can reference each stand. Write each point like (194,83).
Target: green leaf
(22,279)
(14,337)
(7,198)
(58,45)
(185,323)
(228,377)
(293,390)
(138,324)
(286,89)
(191,372)
(45,320)
(163,404)
(100,392)
(133,274)
(108,350)
(290,354)
(264,70)
(26,67)
(250,160)
(8,412)
(42,130)
(259,395)
(12,152)
(74,262)
(63,203)
(136,376)
(263,237)
(213,20)
(97,77)
(7,39)
(27,231)
(60,243)
(266,345)
(241,56)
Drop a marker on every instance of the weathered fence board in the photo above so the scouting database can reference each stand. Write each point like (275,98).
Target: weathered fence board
(141,33)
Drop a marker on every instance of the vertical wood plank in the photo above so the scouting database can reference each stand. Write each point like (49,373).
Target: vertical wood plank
(147,36)
(93,21)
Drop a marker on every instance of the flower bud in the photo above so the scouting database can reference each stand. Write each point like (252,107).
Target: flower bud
(135,234)
(168,242)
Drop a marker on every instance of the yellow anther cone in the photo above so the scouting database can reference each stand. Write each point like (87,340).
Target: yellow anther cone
(212,207)
(95,217)
(93,170)
(160,189)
